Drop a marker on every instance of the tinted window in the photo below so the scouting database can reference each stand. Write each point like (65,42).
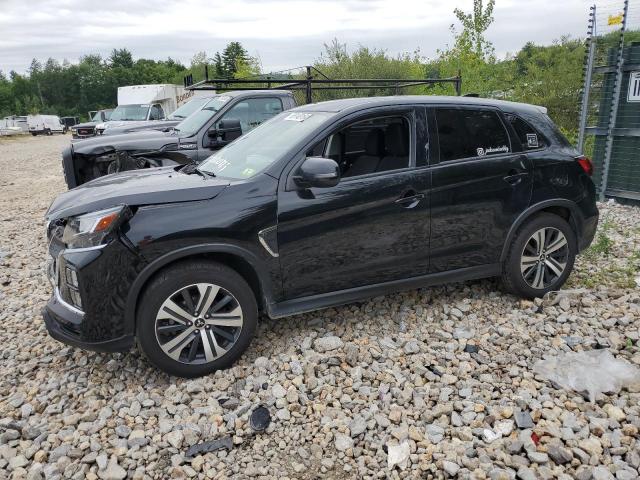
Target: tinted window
(528,136)
(374,145)
(464,133)
(254,111)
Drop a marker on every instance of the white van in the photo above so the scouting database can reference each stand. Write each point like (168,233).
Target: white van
(48,124)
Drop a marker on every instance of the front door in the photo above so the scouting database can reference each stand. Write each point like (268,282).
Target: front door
(481,183)
(373,227)
(251,112)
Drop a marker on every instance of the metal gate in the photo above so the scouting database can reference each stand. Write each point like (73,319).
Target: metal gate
(610,115)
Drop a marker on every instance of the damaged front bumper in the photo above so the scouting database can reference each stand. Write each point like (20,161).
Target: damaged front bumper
(86,308)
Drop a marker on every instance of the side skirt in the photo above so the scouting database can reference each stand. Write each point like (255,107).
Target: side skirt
(341,297)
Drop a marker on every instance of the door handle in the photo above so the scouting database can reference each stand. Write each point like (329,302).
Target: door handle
(410,199)
(515,177)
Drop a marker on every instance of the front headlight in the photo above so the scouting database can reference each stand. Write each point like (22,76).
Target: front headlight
(92,229)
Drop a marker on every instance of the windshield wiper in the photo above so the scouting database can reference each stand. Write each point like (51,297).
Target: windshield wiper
(193,168)
(205,172)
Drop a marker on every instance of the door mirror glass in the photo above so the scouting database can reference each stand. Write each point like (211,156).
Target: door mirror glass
(317,172)
(225,132)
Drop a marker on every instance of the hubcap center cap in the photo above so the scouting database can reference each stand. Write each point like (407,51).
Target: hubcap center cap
(199,323)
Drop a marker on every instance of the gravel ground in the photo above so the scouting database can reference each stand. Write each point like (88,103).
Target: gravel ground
(349,389)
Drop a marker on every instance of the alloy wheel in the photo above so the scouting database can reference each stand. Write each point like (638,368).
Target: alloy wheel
(544,258)
(198,323)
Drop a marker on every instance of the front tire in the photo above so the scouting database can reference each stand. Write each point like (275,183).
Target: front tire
(540,257)
(195,318)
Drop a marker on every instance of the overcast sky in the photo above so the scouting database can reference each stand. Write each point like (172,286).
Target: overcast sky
(282,33)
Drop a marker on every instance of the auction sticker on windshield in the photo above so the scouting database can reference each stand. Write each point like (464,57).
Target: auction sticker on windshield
(297,117)
(220,163)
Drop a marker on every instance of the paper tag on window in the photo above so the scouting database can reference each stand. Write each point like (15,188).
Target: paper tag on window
(297,117)
(532,140)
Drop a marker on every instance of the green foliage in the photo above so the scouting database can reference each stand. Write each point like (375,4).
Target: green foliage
(474,24)
(603,243)
(74,89)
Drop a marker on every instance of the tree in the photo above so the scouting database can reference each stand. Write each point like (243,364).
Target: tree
(233,56)
(474,25)
(219,72)
(121,58)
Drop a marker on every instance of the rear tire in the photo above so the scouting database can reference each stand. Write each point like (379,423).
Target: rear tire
(48,131)
(195,318)
(540,257)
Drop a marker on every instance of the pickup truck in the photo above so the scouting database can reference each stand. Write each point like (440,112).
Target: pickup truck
(88,129)
(224,118)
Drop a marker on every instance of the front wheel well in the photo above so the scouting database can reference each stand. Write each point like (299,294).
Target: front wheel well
(235,262)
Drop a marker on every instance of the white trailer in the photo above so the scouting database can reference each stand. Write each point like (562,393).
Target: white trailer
(47,124)
(13,125)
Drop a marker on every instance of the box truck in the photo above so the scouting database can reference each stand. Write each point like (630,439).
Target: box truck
(138,103)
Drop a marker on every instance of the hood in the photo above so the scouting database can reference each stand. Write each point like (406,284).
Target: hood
(137,126)
(135,141)
(134,188)
(85,125)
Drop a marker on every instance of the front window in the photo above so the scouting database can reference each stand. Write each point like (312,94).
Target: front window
(264,145)
(369,146)
(129,112)
(253,111)
(192,125)
(188,108)
(156,113)
(96,117)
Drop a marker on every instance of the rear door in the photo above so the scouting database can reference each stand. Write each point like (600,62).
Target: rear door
(373,227)
(481,182)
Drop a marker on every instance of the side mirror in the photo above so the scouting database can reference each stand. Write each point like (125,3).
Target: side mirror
(229,130)
(318,172)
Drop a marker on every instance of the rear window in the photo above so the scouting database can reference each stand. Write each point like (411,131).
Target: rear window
(467,133)
(529,137)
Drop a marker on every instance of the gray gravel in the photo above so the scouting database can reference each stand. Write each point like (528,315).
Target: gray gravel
(345,386)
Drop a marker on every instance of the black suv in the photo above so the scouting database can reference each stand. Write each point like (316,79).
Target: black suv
(322,205)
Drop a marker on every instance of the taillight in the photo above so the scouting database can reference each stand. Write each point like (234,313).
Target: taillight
(586,164)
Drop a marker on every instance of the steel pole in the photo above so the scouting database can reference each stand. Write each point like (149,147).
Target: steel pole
(614,106)
(584,110)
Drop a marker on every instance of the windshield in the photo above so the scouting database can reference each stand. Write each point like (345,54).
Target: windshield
(188,108)
(262,146)
(192,125)
(130,112)
(96,117)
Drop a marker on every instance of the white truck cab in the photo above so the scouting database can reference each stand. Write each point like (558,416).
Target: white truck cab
(45,124)
(142,103)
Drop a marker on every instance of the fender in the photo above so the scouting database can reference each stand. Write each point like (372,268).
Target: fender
(575,220)
(158,263)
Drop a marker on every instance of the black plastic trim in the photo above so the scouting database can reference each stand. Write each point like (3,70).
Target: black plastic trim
(120,344)
(157,264)
(333,299)
(576,220)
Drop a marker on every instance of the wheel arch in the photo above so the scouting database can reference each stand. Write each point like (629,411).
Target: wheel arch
(561,207)
(242,261)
